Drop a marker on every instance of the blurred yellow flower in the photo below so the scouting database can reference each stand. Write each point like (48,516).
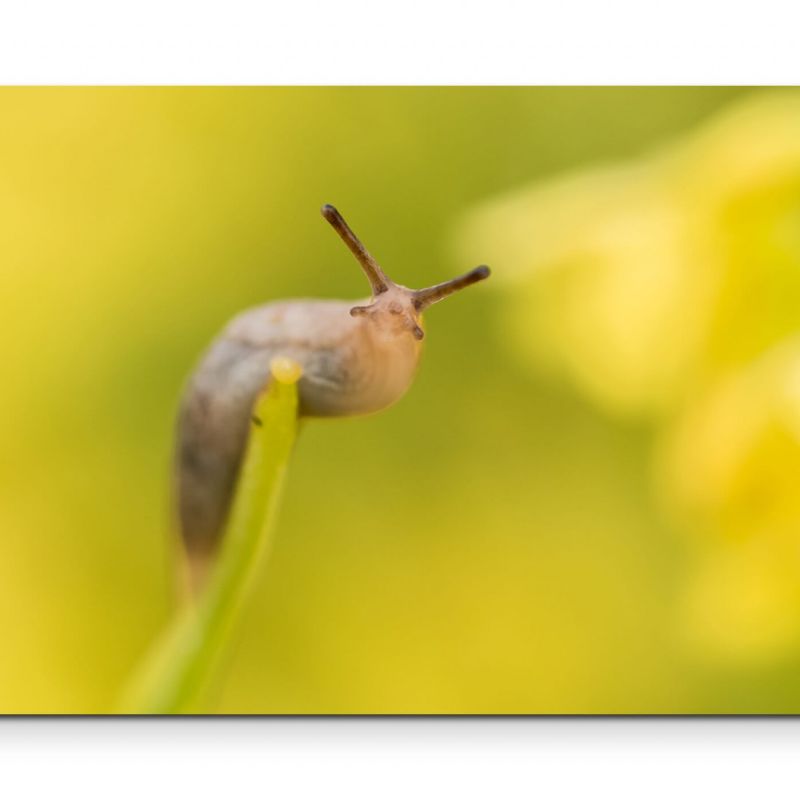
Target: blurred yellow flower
(728,467)
(731,461)
(668,288)
(742,604)
(635,280)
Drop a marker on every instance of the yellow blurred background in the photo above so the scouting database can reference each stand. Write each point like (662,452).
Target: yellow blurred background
(586,503)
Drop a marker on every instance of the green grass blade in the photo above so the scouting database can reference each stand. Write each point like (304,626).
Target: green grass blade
(180,671)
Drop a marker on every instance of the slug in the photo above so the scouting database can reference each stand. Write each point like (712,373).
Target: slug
(355,359)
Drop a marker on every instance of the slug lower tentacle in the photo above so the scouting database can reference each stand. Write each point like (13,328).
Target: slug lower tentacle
(355,359)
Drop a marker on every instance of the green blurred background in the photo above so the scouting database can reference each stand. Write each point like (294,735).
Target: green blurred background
(496,542)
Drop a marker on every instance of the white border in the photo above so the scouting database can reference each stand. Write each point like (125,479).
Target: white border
(415,41)
(400,758)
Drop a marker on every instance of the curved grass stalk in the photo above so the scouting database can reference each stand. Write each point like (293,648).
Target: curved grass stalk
(179,672)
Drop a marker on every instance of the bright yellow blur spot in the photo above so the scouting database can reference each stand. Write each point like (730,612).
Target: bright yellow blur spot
(286,370)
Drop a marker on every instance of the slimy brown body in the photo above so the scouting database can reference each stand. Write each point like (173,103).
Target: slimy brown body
(354,359)
(347,370)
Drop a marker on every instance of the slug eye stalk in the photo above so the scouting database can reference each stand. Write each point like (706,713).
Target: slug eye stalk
(380,282)
(433,294)
(375,275)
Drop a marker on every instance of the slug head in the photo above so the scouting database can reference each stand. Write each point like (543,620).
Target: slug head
(395,309)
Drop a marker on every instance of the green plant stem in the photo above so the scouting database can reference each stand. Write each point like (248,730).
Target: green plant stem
(177,675)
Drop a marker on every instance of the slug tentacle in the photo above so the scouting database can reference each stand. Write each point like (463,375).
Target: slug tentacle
(427,297)
(377,279)
(382,284)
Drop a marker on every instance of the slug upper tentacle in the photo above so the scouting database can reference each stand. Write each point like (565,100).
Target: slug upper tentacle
(354,359)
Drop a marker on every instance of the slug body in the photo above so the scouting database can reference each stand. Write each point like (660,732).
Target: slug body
(355,359)
(351,365)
